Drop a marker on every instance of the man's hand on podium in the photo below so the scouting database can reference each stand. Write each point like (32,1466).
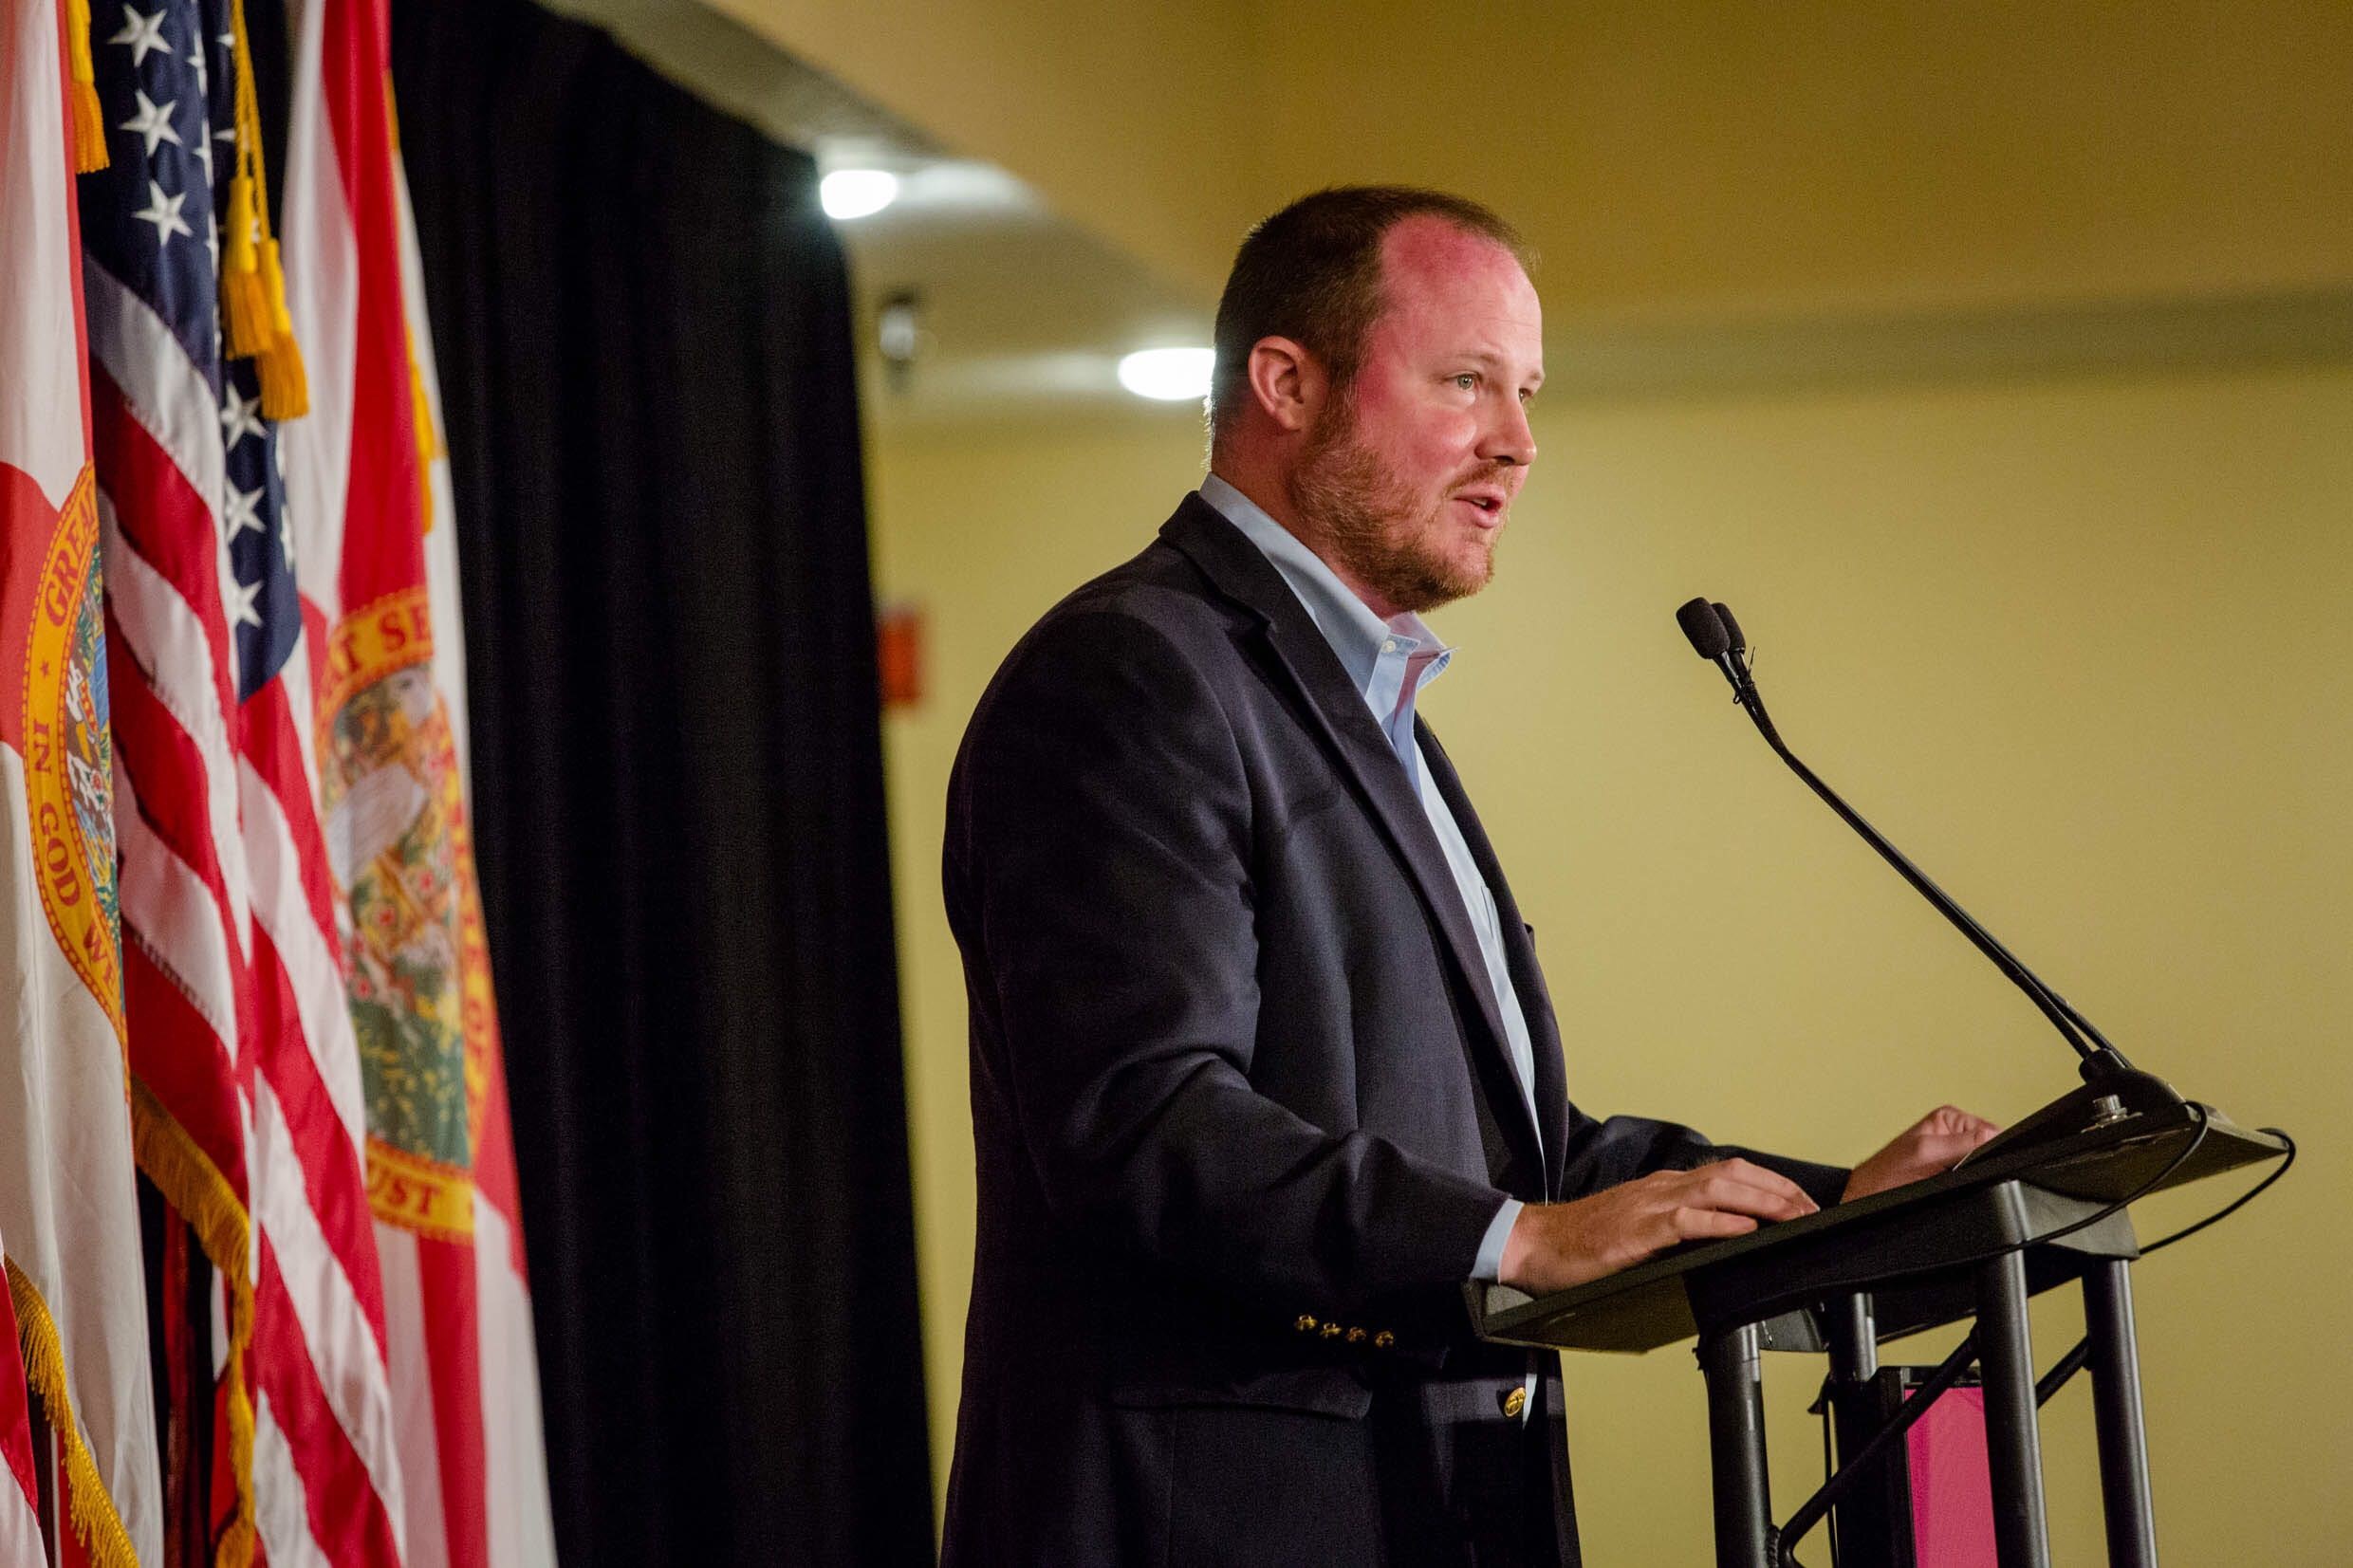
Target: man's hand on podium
(1929,1147)
(1554,1246)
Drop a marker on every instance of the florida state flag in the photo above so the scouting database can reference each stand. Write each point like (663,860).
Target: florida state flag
(68,1213)
(440,1167)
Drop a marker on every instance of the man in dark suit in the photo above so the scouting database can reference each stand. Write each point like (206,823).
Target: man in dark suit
(1263,1064)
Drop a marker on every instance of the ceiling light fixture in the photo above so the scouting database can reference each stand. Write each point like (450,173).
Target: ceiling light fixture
(1168,375)
(856,193)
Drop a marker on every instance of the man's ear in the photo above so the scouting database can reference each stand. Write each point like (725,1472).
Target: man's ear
(1287,382)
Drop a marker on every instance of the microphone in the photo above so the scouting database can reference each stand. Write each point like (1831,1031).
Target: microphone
(2112,1084)
(1718,639)
(1731,627)
(1705,627)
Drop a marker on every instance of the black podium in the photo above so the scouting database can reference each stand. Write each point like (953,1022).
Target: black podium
(1973,1243)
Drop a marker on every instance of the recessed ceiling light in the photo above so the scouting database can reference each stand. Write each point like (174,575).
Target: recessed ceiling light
(1170,374)
(856,193)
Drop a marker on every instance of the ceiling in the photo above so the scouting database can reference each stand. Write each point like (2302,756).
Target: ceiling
(1728,194)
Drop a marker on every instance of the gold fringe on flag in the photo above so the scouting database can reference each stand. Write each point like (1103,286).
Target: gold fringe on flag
(429,445)
(89,121)
(96,1523)
(252,283)
(199,1193)
(428,439)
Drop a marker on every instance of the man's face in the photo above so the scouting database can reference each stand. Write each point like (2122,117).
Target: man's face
(1407,478)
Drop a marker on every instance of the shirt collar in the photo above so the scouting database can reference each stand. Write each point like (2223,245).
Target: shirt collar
(1360,638)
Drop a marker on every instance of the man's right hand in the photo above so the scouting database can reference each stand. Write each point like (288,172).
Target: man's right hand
(1555,1246)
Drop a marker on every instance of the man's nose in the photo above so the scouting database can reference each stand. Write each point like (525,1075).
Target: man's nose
(1508,438)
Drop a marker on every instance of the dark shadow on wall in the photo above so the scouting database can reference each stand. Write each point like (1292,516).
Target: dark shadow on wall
(643,328)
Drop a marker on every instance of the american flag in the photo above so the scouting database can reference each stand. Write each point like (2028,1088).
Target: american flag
(249,1112)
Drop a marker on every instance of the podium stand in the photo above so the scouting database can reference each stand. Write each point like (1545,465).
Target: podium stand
(1973,1243)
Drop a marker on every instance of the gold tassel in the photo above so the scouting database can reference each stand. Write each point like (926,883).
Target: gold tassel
(252,280)
(90,120)
(285,385)
(245,296)
(243,254)
(274,284)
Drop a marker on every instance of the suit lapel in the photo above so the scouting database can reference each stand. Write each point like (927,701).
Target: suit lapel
(1336,708)
(1544,1034)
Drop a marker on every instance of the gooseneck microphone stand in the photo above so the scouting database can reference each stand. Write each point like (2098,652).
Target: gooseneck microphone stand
(2111,1084)
(2042,1205)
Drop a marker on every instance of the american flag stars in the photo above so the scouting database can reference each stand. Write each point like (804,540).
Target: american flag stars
(153,123)
(241,609)
(159,190)
(142,34)
(241,417)
(163,212)
(243,509)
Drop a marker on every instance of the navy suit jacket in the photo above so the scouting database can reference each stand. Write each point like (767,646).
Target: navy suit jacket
(1242,1104)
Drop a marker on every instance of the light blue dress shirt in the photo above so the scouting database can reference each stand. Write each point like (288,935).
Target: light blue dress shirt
(1389,662)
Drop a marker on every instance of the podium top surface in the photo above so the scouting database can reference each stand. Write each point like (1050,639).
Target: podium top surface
(1915,1247)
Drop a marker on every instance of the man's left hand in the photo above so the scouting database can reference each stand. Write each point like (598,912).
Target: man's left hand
(1929,1147)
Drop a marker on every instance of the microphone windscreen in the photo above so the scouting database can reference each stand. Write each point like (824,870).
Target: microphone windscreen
(1732,629)
(1700,624)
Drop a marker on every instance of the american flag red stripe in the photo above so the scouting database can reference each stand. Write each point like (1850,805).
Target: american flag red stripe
(348,1524)
(334,1190)
(158,505)
(153,743)
(278,751)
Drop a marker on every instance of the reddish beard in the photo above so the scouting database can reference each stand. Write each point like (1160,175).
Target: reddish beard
(1370,524)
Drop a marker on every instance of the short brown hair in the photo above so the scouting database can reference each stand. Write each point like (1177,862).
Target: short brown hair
(1312,273)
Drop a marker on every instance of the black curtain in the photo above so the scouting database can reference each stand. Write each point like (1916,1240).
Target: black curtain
(643,328)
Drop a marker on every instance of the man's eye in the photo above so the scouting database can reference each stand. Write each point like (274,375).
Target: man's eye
(1468,380)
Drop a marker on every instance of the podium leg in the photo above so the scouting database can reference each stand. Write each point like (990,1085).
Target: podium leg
(2115,1363)
(2013,1446)
(1737,1448)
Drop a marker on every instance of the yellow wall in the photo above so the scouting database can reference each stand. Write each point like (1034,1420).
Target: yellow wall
(2078,644)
